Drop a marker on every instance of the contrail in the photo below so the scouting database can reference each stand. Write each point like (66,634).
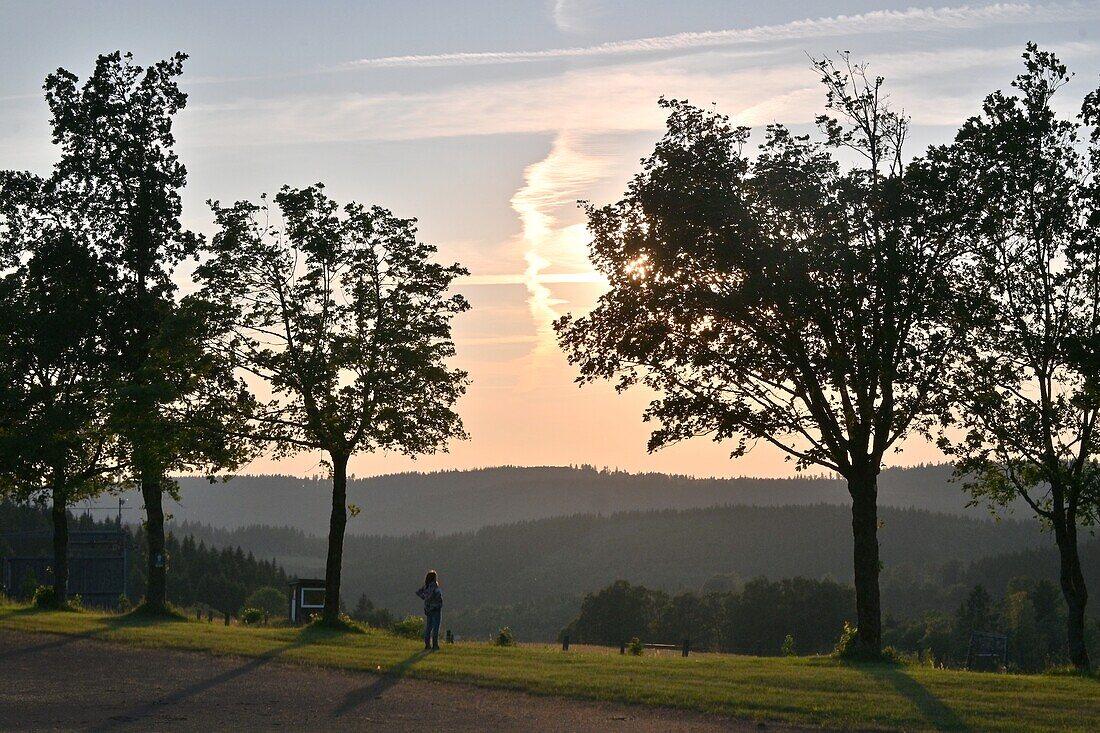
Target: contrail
(878,21)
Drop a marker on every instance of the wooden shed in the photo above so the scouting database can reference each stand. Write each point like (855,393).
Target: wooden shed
(307,597)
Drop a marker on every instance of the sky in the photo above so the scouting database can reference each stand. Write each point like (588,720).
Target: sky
(488,121)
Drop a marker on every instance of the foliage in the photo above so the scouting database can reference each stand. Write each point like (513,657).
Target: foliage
(410,627)
(636,647)
(1028,203)
(345,317)
(755,620)
(787,650)
(269,600)
(366,612)
(46,597)
(779,298)
(505,637)
(252,616)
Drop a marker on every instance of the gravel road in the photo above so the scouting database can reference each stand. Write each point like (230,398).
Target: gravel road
(54,683)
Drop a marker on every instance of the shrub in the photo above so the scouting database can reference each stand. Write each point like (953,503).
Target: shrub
(636,647)
(505,637)
(252,616)
(410,627)
(45,597)
(124,605)
(788,646)
(269,599)
(848,649)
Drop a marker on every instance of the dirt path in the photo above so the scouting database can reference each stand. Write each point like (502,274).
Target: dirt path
(52,683)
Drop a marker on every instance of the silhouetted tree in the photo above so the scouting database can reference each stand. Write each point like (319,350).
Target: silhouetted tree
(1027,192)
(779,297)
(116,142)
(56,376)
(347,320)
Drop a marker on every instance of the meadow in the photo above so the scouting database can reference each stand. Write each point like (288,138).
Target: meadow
(816,690)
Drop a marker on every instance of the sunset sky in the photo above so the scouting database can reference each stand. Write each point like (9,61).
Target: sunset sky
(488,120)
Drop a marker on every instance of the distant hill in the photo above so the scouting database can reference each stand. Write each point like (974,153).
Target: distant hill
(458,501)
(671,550)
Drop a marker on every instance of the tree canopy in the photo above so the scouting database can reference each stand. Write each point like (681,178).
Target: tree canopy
(781,297)
(342,314)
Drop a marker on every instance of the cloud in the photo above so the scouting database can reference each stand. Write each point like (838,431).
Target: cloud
(911,20)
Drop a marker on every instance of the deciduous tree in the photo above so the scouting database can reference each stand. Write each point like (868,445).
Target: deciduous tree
(780,298)
(343,315)
(1027,192)
(117,155)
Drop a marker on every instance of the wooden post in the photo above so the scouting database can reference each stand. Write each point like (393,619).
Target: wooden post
(565,644)
(622,647)
(687,646)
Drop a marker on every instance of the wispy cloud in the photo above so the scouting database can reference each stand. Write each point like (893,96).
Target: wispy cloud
(878,21)
(551,188)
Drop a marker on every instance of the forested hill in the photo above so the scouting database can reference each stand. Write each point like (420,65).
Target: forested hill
(456,501)
(670,550)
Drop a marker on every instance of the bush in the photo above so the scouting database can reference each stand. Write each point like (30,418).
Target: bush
(849,650)
(505,637)
(269,599)
(45,597)
(252,616)
(124,605)
(410,627)
(636,647)
(788,646)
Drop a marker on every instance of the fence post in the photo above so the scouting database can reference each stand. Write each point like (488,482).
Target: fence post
(687,646)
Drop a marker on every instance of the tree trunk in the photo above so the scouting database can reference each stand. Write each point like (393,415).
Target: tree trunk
(337,522)
(863,487)
(60,516)
(1075,593)
(156,583)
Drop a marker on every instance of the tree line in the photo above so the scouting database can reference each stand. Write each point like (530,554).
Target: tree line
(834,310)
(220,578)
(310,325)
(803,616)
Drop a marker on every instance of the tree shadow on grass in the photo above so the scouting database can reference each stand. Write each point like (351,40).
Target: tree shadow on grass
(936,714)
(385,681)
(148,708)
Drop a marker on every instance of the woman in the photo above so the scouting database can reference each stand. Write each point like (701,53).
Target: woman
(433,609)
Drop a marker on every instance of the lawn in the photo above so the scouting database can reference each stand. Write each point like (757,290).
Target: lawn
(806,690)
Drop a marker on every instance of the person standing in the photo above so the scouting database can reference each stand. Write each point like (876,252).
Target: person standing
(433,609)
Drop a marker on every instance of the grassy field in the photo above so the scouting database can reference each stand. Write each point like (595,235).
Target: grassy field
(806,690)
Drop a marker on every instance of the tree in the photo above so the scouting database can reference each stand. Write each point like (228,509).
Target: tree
(56,380)
(346,319)
(117,155)
(780,298)
(1027,391)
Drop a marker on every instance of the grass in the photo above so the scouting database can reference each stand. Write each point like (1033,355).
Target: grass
(803,690)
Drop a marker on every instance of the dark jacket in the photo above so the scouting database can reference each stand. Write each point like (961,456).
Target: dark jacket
(433,597)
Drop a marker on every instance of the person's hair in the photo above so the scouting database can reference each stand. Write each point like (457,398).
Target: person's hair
(430,577)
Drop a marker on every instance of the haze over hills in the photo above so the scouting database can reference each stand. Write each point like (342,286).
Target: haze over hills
(671,550)
(458,501)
